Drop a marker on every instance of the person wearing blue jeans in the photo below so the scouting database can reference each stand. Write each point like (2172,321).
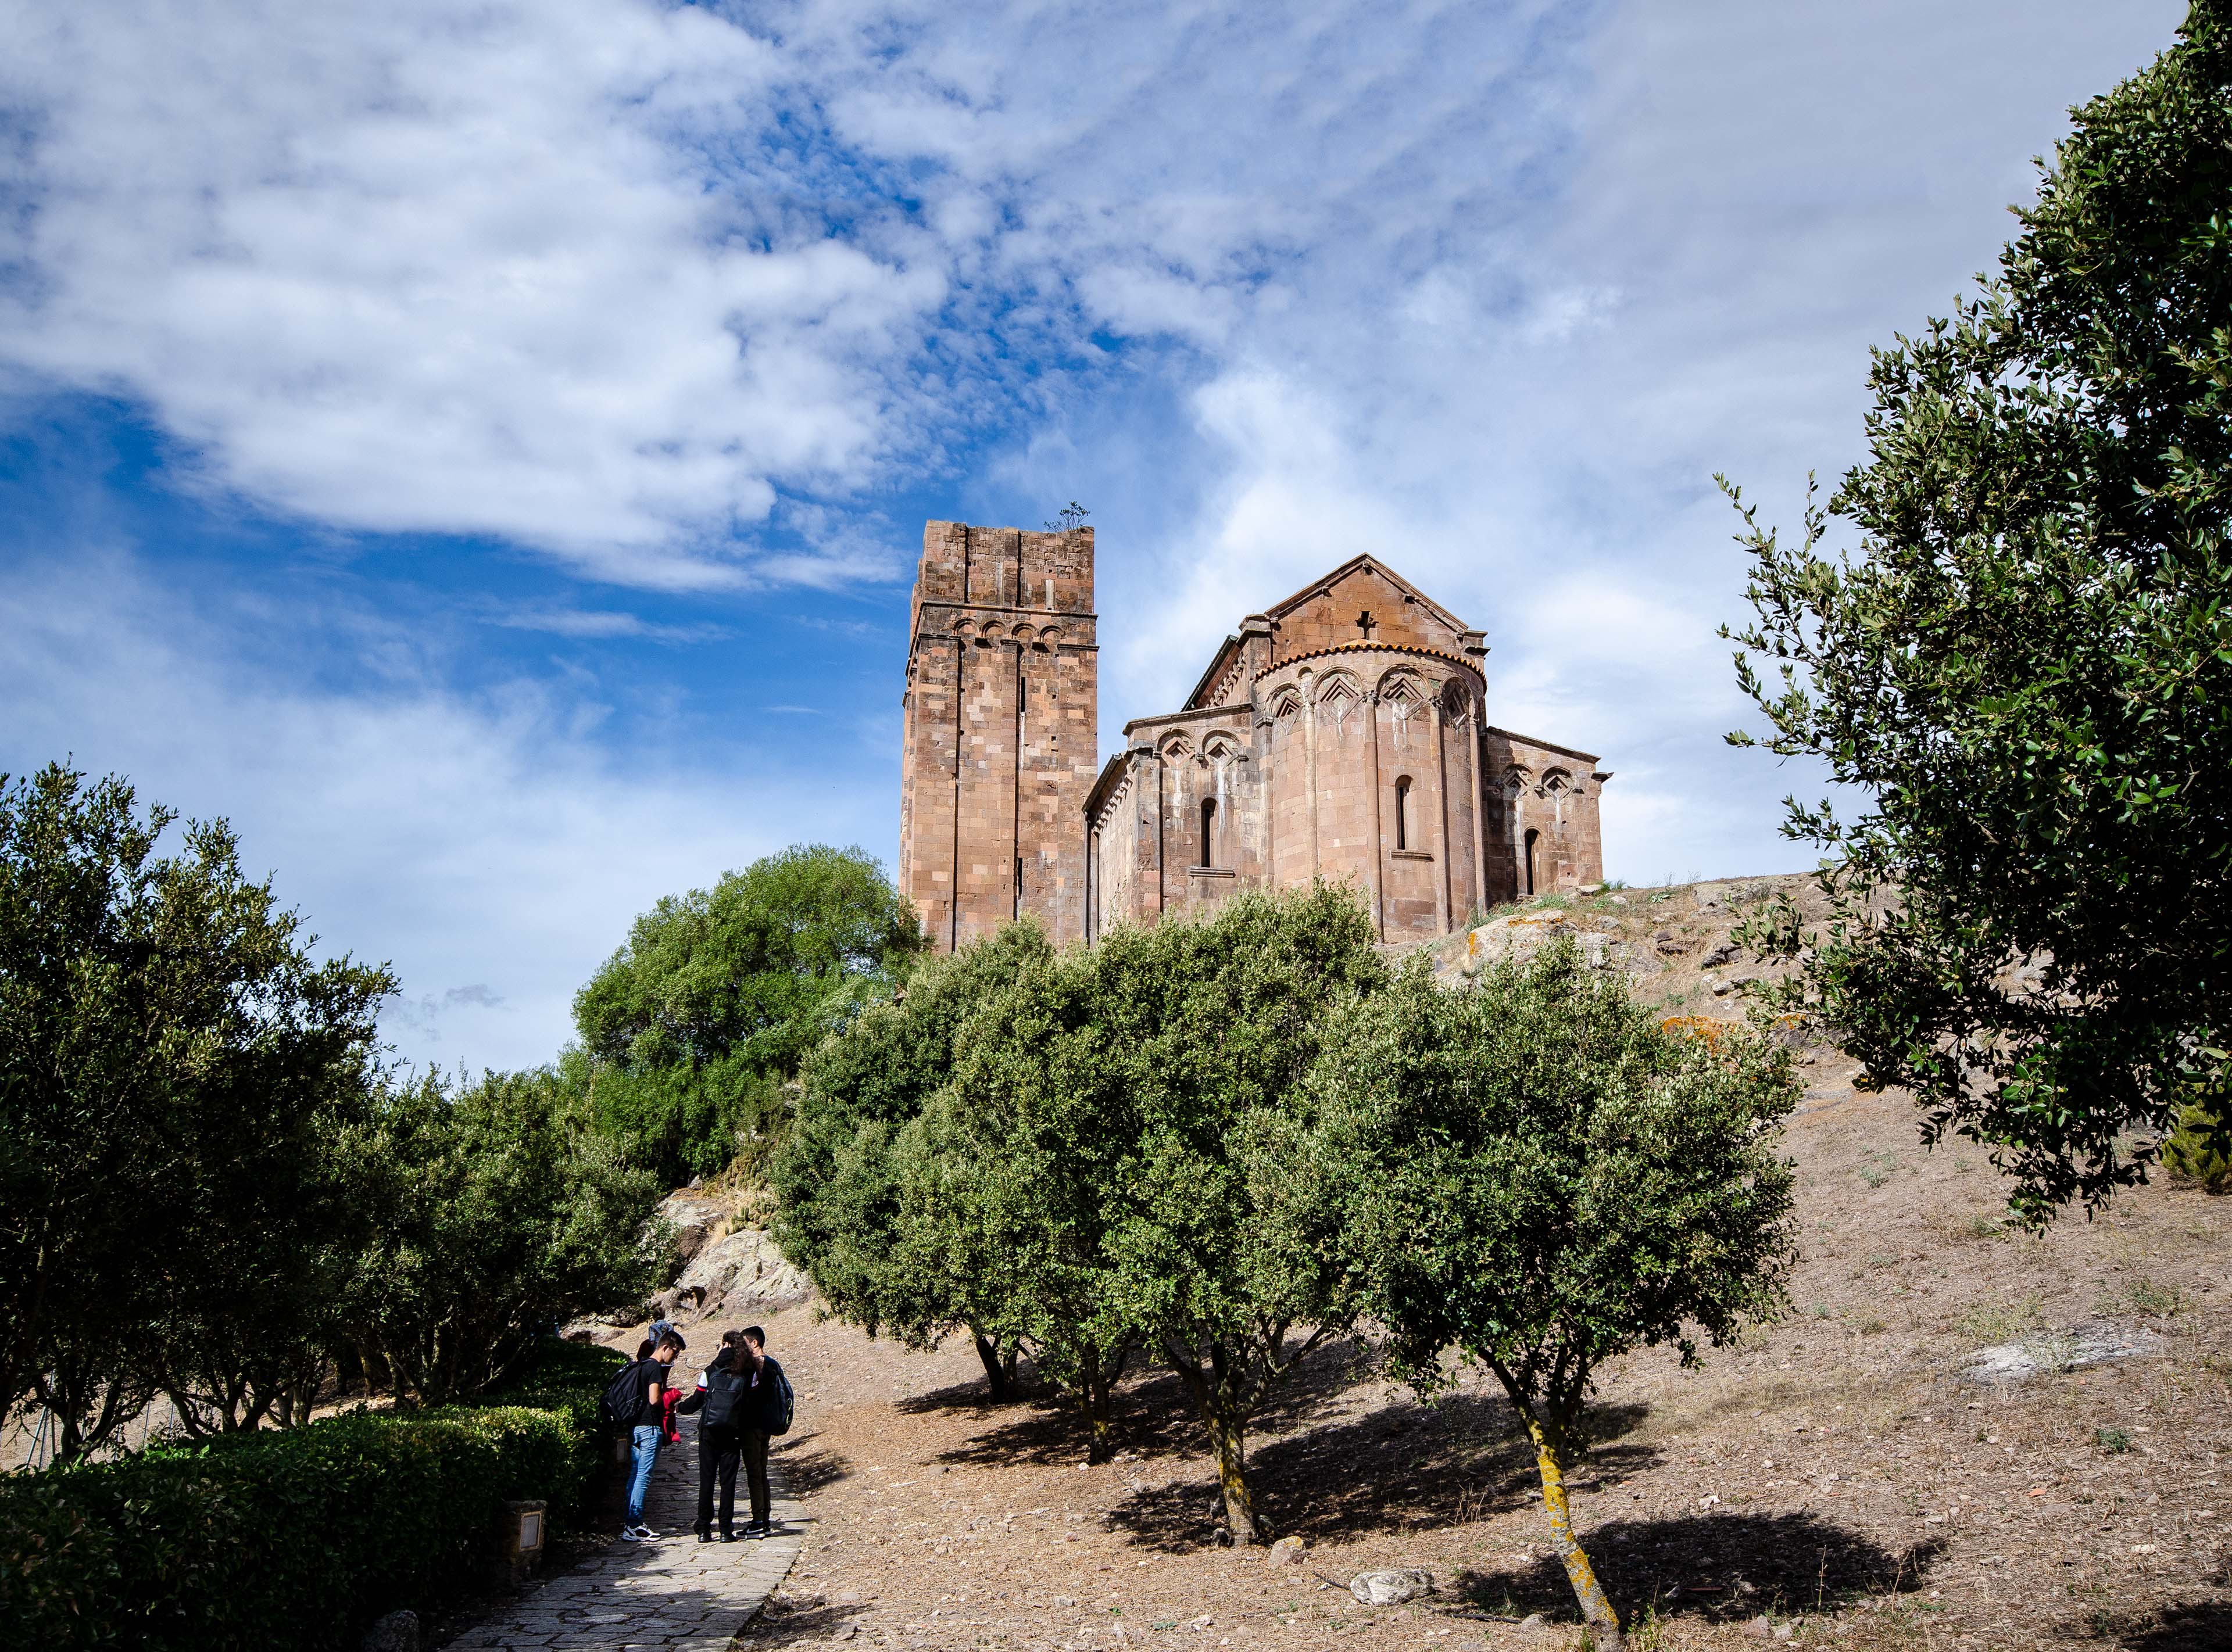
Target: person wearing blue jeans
(650,1429)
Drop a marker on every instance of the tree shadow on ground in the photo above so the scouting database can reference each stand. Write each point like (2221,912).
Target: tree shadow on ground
(1720,1565)
(1397,1467)
(805,1470)
(1154,1417)
(2193,1626)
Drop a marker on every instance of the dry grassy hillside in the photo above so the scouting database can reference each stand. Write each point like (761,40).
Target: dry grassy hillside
(1842,1479)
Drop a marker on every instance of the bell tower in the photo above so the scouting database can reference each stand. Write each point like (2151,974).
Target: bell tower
(1000,739)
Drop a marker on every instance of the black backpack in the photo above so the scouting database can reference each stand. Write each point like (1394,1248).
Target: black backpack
(777,1407)
(623,1399)
(725,1394)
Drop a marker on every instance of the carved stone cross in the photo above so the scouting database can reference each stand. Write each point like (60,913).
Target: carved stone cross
(1366,624)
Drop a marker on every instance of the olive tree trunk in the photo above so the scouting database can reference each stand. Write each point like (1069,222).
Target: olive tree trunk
(1553,1441)
(1225,1407)
(999,1367)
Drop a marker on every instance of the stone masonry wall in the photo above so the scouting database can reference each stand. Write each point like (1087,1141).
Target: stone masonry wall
(1000,734)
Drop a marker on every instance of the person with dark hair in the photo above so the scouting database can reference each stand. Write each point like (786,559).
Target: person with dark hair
(653,1360)
(722,1397)
(767,1411)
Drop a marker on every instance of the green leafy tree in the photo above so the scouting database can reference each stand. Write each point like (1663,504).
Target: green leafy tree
(486,1212)
(1192,1047)
(1539,1175)
(170,1053)
(838,1175)
(719,994)
(1004,1188)
(2024,664)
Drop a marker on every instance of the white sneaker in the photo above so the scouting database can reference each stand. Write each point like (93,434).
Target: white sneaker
(638,1534)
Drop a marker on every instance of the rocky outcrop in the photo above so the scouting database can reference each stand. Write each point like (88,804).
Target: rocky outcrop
(734,1273)
(696,1219)
(1522,935)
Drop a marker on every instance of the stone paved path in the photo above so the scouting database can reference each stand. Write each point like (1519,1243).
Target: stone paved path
(676,1593)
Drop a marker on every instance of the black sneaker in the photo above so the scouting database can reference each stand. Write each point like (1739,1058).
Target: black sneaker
(728,1536)
(705,1537)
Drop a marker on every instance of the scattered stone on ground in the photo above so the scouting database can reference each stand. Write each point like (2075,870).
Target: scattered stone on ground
(2073,1350)
(1391,1586)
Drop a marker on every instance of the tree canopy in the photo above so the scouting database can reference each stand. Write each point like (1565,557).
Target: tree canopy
(719,994)
(483,1213)
(1538,1174)
(2024,666)
(1088,1154)
(171,1055)
(838,1173)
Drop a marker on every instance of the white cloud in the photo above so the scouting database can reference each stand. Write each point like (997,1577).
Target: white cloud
(487,843)
(1523,410)
(1487,289)
(405,267)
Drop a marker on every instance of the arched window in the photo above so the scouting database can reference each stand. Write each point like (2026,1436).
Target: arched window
(1402,812)
(1209,831)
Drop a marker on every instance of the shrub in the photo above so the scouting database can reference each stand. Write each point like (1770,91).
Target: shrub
(2200,1148)
(289,1538)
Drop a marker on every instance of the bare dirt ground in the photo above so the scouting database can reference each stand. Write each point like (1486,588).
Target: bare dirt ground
(1838,1475)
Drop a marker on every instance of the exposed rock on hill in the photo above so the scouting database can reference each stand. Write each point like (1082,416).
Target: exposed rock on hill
(735,1273)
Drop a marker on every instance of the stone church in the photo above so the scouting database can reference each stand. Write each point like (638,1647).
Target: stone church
(1341,733)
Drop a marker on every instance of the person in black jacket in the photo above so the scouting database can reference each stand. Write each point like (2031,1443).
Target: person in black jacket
(723,1395)
(765,1380)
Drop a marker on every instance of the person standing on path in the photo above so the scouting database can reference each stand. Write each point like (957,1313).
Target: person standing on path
(724,1395)
(768,1405)
(650,1428)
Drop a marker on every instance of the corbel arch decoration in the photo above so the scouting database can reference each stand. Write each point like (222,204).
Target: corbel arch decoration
(1401,693)
(1174,746)
(1286,702)
(1339,697)
(1336,686)
(1221,746)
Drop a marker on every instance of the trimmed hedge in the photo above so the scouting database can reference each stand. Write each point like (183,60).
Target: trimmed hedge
(290,1537)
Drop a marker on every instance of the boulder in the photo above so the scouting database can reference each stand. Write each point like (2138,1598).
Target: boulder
(2095,1344)
(1285,1552)
(738,1271)
(1393,1586)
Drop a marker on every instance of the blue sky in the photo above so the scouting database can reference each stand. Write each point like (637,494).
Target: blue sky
(481,452)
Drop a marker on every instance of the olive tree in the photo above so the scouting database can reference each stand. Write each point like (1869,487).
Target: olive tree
(484,1212)
(1192,1043)
(2021,662)
(1537,1176)
(839,1173)
(1004,1188)
(171,1056)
